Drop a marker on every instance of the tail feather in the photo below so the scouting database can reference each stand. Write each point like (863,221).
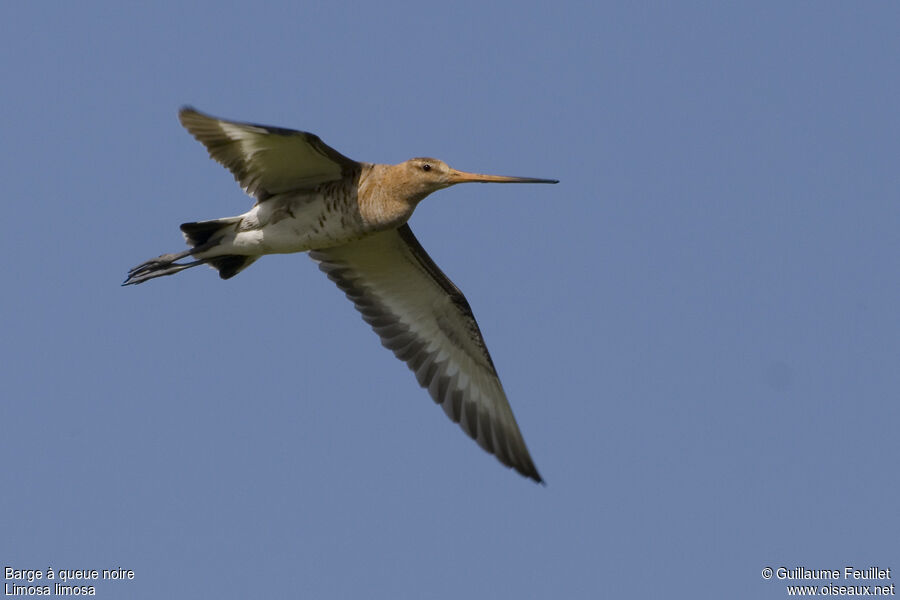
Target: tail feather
(201,232)
(231,264)
(201,236)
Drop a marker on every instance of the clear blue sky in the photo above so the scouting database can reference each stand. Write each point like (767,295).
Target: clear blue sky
(698,328)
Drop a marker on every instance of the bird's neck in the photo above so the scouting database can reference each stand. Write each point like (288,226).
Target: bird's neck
(384,200)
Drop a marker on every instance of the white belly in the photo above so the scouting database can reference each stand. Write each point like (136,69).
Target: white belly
(294,223)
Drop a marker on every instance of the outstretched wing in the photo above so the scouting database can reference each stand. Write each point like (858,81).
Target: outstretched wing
(267,160)
(426,321)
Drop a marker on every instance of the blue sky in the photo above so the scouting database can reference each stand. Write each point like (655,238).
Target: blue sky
(698,328)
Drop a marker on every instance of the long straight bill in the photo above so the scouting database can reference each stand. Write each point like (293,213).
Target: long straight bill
(463,177)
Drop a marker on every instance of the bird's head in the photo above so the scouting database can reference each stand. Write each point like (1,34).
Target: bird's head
(422,176)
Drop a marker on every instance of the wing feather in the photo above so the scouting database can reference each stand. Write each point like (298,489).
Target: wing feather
(267,160)
(426,321)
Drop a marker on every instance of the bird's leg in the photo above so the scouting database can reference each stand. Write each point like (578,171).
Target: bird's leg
(165,260)
(158,262)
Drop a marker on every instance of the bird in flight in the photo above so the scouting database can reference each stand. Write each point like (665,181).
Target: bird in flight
(352,219)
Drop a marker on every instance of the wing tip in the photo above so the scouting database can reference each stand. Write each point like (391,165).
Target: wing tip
(530,471)
(187,110)
(191,118)
(536,477)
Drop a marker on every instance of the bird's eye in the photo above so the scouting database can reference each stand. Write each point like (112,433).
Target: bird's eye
(426,167)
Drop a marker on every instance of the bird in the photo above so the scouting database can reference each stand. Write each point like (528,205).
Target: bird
(351,218)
